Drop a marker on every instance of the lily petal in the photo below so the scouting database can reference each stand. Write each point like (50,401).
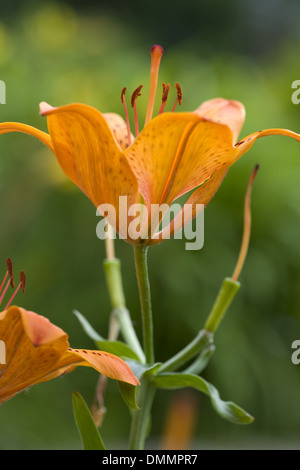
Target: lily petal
(246,143)
(119,129)
(201,195)
(89,155)
(206,191)
(229,112)
(176,153)
(37,351)
(6,127)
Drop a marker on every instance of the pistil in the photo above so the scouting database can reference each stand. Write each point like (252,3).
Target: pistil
(156,55)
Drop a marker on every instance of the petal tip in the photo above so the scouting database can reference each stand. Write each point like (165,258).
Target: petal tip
(45,108)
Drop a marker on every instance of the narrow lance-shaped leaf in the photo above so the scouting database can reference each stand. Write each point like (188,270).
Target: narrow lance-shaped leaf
(113,347)
(226,409)
(91,439)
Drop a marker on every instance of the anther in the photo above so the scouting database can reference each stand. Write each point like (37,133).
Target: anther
(179,96)
(134,97)
(10,272)
(22,281)
(126,115)
(166,89)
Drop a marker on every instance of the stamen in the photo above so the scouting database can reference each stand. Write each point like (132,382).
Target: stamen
(179,96)
(247,227)
(126,115)
(4,292)
(10,271)
(22,281)
(166,89)
(20,286)
(3,282)
(134,97)
(156,55)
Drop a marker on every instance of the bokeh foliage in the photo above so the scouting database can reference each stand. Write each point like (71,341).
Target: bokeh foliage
(63,53)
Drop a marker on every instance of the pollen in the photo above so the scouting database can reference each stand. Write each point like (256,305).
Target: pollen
(165,93)
(22,281)
(10,272)
(178,97)
(123,94)
(135,94)
(166,89)
(134,97)
(179,93)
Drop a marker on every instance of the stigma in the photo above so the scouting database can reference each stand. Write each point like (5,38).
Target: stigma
(156,55)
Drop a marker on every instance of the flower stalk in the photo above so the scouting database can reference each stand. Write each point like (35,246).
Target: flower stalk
(112,270)
(140,256)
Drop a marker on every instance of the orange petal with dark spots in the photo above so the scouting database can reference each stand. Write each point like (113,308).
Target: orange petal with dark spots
(90,156)
(175,153)
(108,364)
(246,143)
(118,128)
(229,112)
(201,195)
(37,351)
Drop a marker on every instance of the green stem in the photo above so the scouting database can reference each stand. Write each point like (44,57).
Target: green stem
(201,361)
(202,339)
(140,256)
(223,301)
(141,417)
(112,269)
(128,332)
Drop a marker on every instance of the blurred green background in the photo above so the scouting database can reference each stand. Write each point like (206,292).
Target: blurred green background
(73,52)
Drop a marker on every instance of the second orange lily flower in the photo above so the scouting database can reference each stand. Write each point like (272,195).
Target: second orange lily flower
(175,152)
(35,350)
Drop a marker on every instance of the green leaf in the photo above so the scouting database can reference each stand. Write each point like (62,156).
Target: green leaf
(128,393)
(227,409)
(140,369)
(91,439)
(114,347)
(87,327)
(201,362)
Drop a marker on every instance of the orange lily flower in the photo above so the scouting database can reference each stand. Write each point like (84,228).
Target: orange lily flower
(36,350)
(174,153)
